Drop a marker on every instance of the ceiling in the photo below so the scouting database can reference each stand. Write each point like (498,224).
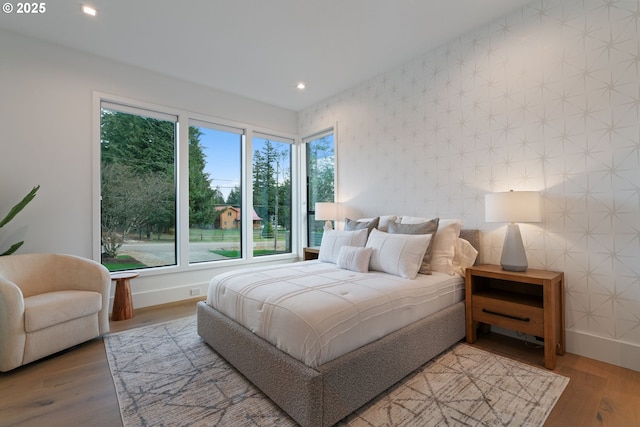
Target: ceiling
(261,49)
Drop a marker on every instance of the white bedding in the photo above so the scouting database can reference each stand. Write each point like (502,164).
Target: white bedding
(315,311)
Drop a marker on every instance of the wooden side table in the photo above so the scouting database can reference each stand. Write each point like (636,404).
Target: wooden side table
(531,302)
(310,253)
(122,300)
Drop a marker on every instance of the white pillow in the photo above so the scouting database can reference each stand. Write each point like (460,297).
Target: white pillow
(465,256)
(354,258)
(333,240)
(444,245)
(397,254)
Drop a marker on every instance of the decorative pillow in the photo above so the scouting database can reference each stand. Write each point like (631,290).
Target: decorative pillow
(464,257)
(444,245)
(420,226)
(397,254)
(333,240)
(383,222)
(354,258)
(351,225)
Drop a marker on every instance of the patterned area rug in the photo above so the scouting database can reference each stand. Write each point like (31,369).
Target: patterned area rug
(166,375)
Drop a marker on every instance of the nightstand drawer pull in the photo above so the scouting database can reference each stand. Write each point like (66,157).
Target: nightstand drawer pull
(522,319)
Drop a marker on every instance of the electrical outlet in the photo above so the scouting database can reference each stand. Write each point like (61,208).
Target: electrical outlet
(194,292)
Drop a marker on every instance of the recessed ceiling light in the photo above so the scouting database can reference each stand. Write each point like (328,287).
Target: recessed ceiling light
(89,10)
(301,86)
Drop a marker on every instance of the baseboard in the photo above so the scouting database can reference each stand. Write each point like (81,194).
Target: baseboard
(167,295)
(626,355)
(606,350)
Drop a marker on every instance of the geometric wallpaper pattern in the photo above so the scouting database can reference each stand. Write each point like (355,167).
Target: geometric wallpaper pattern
(547,99)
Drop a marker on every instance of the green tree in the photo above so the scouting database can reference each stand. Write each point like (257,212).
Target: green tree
(130,200)
(284,203)
(136,150)
(320,170)
(264,183)
(143,143)
(202,198)
(272,188)
(235,197)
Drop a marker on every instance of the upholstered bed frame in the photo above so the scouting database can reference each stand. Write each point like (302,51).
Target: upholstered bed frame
(324,395)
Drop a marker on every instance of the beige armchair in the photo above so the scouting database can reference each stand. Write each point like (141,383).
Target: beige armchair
(48,303)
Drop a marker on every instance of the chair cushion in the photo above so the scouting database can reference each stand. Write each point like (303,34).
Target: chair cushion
(51,308)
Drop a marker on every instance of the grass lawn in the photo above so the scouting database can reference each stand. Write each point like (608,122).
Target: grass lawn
(236,253)
(122,262)
(207,235)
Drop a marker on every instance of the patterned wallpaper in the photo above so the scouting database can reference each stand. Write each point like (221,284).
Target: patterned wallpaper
(547,99)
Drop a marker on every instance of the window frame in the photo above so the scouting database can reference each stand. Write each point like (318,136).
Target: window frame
(126,105)
(182,189)
(226,128)
(304,177)
(292,164)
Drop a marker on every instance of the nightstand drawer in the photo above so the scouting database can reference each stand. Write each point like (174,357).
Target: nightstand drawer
(511,315)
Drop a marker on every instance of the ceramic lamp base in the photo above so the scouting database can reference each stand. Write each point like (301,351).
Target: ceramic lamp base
(514,257)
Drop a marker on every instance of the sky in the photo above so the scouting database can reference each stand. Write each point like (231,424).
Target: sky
(223,157)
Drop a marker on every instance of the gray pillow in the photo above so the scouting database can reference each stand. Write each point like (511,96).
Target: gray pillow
(351,225)
(428,227)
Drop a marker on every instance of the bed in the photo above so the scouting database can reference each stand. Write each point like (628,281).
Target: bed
(319,378)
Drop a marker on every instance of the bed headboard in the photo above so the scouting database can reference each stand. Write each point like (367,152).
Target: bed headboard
(473,237)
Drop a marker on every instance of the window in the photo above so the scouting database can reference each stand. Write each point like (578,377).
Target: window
(175,190)
(138,187)
(271,195)
(215,202)
(320,158)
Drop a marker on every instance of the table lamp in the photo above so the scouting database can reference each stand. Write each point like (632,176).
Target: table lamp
(513,207)
(328,211)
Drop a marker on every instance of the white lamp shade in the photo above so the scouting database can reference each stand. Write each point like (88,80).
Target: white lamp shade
(513,206)
(328,211)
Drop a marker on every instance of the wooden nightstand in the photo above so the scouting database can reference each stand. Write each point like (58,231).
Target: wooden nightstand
(531,302)
(310,253)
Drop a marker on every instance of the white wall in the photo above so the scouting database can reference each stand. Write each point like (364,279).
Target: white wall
(46,138)
(544,99)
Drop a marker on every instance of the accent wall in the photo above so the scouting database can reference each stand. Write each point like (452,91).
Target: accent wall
(546,99)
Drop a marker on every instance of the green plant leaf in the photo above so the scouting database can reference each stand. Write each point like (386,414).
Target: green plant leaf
(12,249)
(19,206)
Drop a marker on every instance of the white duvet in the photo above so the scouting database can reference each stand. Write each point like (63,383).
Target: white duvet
(315,311)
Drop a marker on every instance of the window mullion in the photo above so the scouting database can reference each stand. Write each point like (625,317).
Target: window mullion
(183,190)
(247,195)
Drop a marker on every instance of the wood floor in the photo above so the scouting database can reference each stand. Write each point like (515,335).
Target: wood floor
(75,388)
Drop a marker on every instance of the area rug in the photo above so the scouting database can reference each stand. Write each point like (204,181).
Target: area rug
(166,374)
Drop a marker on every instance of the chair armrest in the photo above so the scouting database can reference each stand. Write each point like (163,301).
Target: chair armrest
(84,274)
(12,334)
